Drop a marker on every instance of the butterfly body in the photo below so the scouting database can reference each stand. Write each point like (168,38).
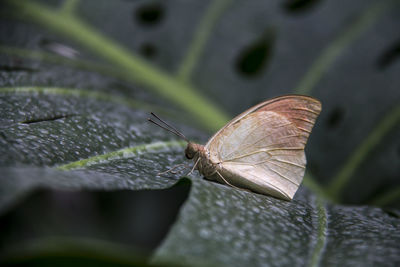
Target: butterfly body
(201,157)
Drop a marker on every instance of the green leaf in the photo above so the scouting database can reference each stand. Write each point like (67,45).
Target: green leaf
(79,161)
(225,227)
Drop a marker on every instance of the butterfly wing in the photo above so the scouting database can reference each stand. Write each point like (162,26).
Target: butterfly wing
(262,149)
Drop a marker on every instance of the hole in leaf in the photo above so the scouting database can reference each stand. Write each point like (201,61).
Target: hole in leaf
(389,56)
(132,219)
(254,58)
(150,13)
(148,50)
(335,117)
(295,6)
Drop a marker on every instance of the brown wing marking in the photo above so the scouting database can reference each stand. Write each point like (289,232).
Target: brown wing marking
(301,110)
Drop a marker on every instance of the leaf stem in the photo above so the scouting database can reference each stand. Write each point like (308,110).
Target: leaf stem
(182,94)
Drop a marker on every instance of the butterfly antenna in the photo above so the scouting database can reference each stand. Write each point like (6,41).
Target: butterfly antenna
(167,126)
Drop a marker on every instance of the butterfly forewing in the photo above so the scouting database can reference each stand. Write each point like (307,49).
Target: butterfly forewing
(262,149)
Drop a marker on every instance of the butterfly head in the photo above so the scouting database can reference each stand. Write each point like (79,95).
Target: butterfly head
(193,149)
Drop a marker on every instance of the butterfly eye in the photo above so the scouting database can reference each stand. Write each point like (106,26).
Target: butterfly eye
(188,155)
(190,151)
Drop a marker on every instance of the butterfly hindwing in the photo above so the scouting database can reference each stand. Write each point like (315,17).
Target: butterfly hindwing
(262,149)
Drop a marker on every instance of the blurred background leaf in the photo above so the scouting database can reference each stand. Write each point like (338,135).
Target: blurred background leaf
(78,78)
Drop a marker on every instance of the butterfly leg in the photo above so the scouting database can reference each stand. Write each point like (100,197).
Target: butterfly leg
(172,170)
(194,167)
(227,181)
(231,184)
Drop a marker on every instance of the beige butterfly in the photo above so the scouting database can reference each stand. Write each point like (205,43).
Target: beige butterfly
(262,149)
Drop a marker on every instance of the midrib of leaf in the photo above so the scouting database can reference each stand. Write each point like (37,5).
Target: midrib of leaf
(321,233)
(328,56)
(202,34)
(342,178)
(310,182)
(84,93)
(171,88)
(120,154)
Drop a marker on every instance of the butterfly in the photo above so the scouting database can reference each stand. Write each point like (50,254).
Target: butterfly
(261,150)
